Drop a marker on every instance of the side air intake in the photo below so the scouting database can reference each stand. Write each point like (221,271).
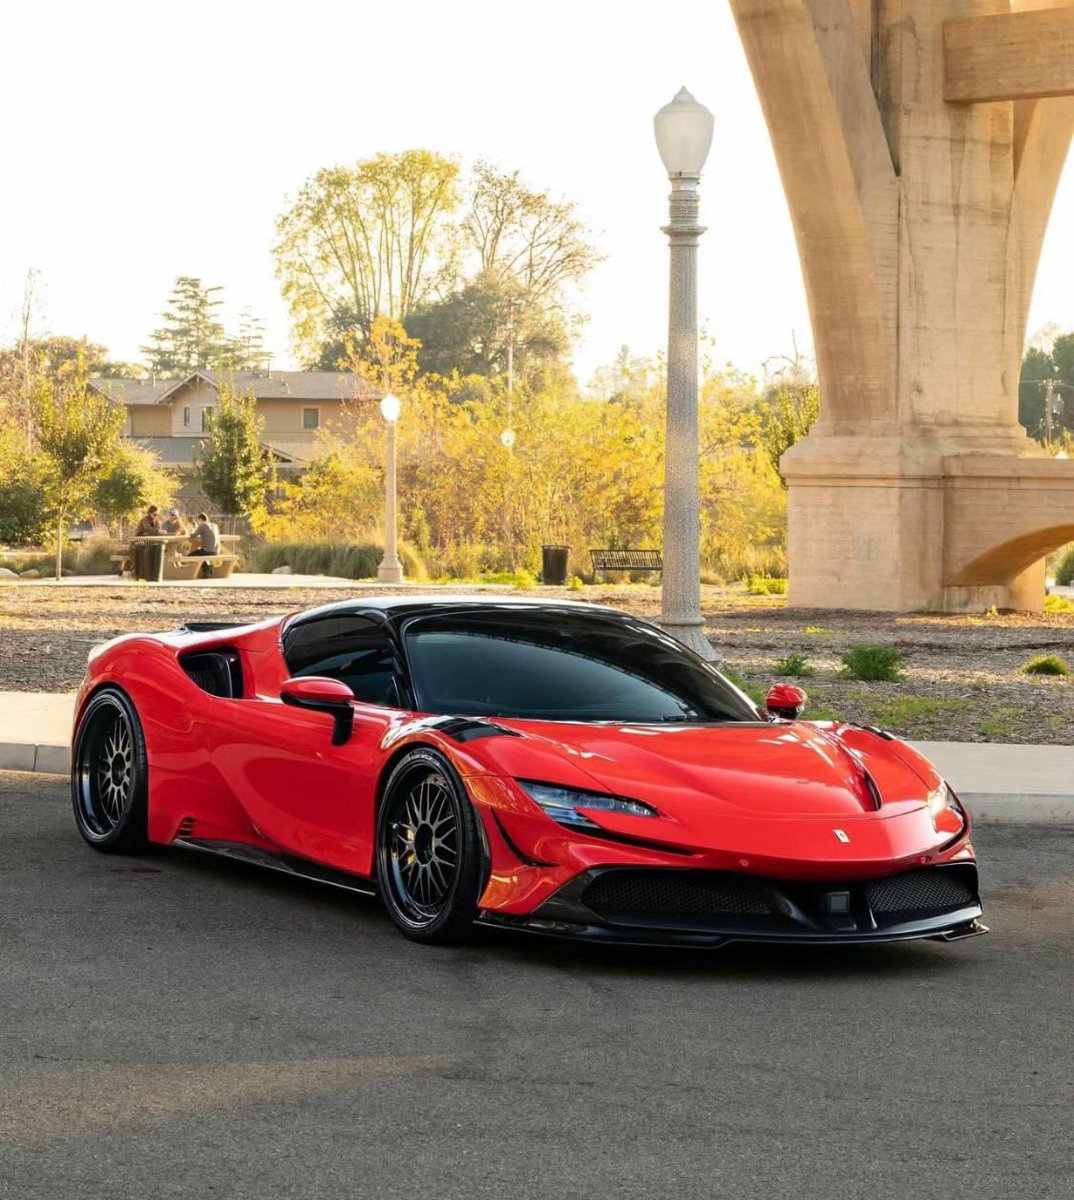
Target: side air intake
(217,672)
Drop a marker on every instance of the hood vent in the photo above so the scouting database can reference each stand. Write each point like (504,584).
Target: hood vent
(872,789)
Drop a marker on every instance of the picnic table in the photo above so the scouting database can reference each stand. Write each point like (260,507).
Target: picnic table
(172,560)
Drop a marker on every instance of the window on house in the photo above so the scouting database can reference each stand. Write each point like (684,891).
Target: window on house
(206,418)
(311,418)
(186,417)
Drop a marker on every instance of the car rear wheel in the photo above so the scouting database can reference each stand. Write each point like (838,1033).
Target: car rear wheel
(109,776)
(429,860)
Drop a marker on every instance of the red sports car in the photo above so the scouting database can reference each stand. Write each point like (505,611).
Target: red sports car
(559,768)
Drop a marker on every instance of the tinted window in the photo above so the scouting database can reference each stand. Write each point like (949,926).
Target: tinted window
(351,649)
(563,666)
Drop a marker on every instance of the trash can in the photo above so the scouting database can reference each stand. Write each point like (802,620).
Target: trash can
(147,560)
(554,565)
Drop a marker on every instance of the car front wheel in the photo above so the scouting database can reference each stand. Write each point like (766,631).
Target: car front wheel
(109,775)
(429,858)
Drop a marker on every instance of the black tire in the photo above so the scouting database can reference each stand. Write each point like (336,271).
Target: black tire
(430,862)
(110,776)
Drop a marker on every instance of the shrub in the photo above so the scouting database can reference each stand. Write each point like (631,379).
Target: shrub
(90,557)
(1054,603)
(347,560)
(1064,571)
(766,585)
(1046,664)
(575,583)
(793,664)
(865,661)
(520,579)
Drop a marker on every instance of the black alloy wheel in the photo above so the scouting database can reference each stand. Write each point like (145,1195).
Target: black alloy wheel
(109,777)
(429,860)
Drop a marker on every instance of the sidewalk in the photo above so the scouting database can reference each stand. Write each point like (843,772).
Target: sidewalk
(1019,784)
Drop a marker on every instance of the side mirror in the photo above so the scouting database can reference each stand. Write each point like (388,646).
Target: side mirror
(785,700)
(320,694)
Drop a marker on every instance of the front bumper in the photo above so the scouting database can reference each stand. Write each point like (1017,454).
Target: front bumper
(669,906)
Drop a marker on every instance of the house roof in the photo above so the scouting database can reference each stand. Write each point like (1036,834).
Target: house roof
(133,391)
(178,450)
(265,385)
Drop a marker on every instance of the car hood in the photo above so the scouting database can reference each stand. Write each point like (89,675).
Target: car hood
(774,770)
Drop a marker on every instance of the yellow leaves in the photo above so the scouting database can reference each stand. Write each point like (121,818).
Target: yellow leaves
(585,472)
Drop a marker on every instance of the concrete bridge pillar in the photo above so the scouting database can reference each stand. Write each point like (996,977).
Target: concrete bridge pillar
(920,143)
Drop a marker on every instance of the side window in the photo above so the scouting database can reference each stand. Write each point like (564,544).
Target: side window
(351,649)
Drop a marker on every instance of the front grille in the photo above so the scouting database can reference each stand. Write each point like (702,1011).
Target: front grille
(929,889)
(729,900)
(692,895)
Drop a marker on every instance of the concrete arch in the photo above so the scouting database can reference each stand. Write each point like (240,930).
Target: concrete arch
(1003,563)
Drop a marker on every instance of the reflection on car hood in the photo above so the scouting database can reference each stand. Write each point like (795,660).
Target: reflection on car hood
(763,769)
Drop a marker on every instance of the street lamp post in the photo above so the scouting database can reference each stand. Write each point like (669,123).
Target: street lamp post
(683,135)
(390,569)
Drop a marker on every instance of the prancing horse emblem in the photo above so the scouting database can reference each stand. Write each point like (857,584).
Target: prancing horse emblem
(841,835)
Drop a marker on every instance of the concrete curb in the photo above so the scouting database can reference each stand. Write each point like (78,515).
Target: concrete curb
(986,808)
(1002,808)
(45,759)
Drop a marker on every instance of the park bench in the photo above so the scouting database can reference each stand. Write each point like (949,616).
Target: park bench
(625,560)
(220,565)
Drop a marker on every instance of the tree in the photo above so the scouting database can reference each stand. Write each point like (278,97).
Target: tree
(24,516)
(246,351)
(135,480)
(539,243)
(192,337)
(469,331)
(233,469)
(1037,366)
(785,416)
(77,433)
(387,358)
(374,239)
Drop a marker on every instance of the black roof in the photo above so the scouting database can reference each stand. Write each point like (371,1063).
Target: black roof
(409,605)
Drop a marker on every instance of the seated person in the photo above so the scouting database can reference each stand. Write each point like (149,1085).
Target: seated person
(172,524)
(206,537)
(149,525)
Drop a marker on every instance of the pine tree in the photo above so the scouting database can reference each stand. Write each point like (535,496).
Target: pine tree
(247,351)
(192,337)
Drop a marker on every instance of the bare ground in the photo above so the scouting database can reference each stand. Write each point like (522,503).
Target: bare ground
(963,678)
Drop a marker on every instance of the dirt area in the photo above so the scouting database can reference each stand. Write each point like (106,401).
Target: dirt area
(963,678)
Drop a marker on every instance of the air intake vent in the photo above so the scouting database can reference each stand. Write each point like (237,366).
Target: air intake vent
(927,890)
(186,827)
(668,894)
(217,672)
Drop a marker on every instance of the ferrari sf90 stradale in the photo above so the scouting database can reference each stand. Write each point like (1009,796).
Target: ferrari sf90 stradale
(558,768)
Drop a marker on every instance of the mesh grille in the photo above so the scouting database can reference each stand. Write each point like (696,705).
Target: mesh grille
(674,894)
(927,890)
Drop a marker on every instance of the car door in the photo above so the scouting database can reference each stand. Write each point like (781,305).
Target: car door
(300,792)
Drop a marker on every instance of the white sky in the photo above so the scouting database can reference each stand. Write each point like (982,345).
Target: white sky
(143,141)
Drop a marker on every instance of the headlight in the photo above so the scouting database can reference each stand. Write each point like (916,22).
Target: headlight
(562,803)
(947,813)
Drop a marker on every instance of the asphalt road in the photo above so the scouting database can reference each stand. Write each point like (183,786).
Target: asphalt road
(178,1026)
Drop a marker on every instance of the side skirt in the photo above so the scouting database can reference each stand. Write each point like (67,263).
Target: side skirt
(286,864)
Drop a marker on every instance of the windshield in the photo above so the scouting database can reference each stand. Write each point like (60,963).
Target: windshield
(563,666)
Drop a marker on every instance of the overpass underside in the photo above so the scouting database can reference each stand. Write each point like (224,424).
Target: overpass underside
(920,143)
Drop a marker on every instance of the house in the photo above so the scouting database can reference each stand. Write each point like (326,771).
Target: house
(171,415)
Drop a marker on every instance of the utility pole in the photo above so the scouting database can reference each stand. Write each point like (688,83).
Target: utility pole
(1049,393)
